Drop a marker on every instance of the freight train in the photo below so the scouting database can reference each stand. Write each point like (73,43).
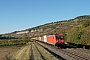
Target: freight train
(55,39)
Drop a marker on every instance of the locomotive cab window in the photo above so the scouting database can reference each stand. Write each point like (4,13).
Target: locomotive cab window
(59,37)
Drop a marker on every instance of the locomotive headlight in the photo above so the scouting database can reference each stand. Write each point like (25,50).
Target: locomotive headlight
(56,40)
(62,40)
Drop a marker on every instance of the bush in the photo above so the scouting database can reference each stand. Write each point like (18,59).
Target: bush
(86,23)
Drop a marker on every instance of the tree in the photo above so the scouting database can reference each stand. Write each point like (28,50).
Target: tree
(65,34)
(74,35)
(85,38)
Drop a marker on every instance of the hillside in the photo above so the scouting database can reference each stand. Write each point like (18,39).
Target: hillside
(51,28)
(75,30)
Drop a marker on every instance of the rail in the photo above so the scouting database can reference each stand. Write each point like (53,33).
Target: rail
(67,54)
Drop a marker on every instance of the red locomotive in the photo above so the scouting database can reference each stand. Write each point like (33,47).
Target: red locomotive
(56,39)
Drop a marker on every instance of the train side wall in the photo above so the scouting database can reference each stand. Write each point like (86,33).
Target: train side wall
(51,39)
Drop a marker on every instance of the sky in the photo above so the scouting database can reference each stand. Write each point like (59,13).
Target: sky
(16,15)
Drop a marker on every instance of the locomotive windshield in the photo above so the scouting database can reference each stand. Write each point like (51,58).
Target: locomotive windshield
(59,37)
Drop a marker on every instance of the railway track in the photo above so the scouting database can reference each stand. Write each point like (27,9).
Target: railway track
(68,54)
(40,53)
(84,50)
(83,53)
(32,53)
(74,54)
(36,53)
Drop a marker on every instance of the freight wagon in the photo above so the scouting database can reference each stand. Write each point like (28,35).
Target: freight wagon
(44,38)
(39,38)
